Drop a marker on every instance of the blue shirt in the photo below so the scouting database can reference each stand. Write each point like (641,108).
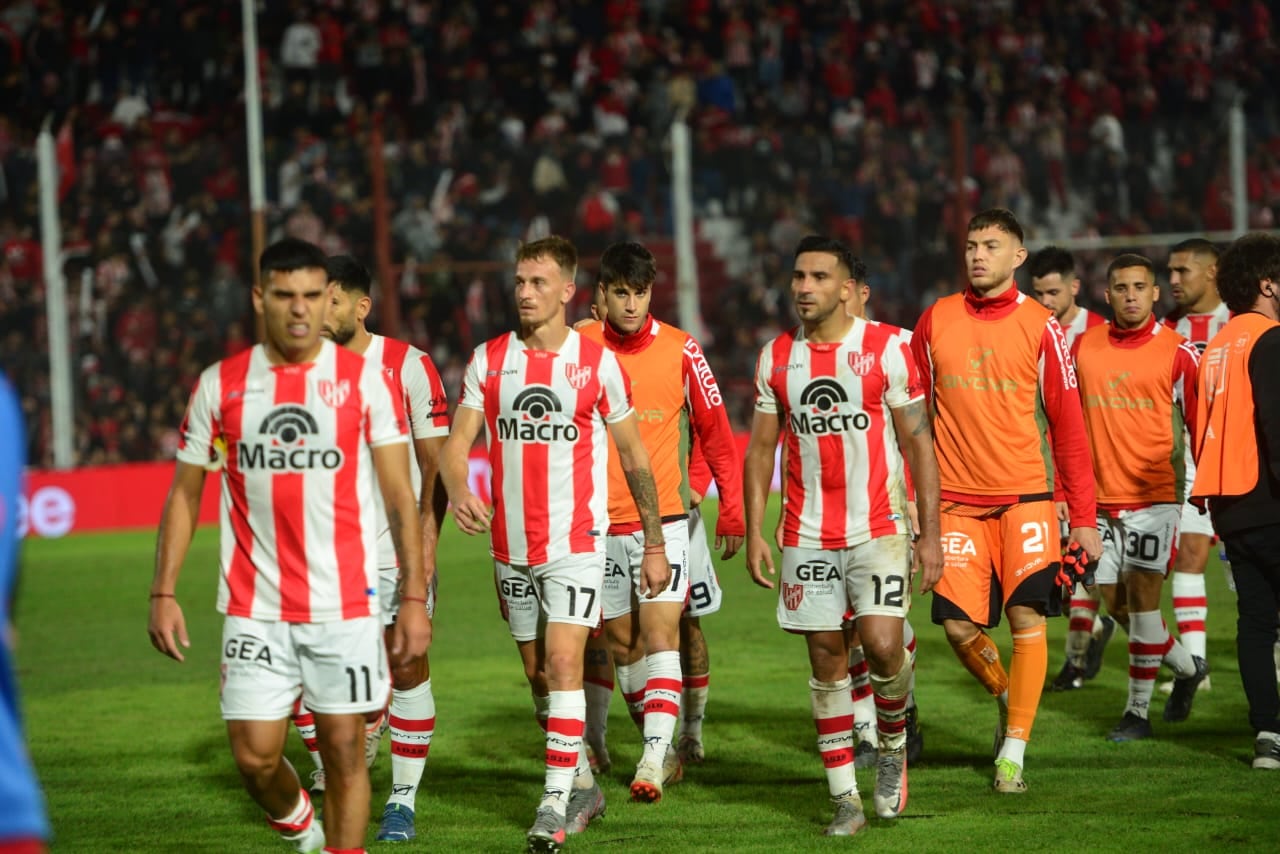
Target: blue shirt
(22,815)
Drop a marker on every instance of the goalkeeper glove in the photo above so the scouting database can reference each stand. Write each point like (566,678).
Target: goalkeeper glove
(1076,568)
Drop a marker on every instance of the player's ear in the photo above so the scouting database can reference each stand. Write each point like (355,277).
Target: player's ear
(363,306)
(257,299)
(569,290)
(1019,255)
(1075,286)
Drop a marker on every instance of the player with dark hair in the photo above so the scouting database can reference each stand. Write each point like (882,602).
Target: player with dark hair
(313,433)
(1137,380)
(415,380)
(998,374)
(1198,315)
(676,398)
(1056,286)
(848,390)
(1237,448)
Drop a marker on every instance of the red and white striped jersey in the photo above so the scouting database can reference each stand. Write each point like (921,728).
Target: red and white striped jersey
(1083,320)
(299,517)
(414,378)
(545,414)
(1199,329)
(845,477)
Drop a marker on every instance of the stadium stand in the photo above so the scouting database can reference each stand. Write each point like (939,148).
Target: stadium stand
(504,120)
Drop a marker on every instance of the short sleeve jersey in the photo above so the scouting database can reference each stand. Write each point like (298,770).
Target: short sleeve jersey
(299,517)
(1199,329)
(545,416)
(415,380)
(845,481)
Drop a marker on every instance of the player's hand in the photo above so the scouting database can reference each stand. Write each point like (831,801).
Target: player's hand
(927,561)
(777,532)
(913,516)
(1060,508)
(655,574)
(695,497)
(1089,540)
(471,514)
(760,555)
(167,627)
(731,545)
(1075,569)
(411,635)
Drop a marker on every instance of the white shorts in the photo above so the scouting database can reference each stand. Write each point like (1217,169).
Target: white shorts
(1195,522)
(563,591)
(705,596)
(1142,540)
(339,668)
(389,595)
(819,586)
(624,552)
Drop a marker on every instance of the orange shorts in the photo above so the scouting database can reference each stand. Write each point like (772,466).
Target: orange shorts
(997,557)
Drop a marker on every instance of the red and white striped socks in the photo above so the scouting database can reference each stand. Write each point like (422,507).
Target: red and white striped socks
(1083,614)
(632,683)
(661,701)
(1190,608)
(832,705)
(1149,644)
(693,705)
(413,723)
(565,724)
(864,701)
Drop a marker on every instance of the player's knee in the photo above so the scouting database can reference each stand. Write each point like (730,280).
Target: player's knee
(884,654)
(564,670)
(406,677)
(254,763)
(959,632)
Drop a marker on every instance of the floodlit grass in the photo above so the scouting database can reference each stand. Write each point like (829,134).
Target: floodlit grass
(133,755)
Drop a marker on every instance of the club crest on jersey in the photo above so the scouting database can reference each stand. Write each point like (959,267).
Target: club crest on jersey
(861,363)
(334,393)
(577,375)
(792,595)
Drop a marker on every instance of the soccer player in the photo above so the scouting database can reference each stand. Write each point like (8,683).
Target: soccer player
(675,395)
(545,397)
(1056,286)
(307,425)
(998,373)
(848,390)
(415,380)
(1237,449)
(24,826)
(1198,315)
(1137,380)
(864,706)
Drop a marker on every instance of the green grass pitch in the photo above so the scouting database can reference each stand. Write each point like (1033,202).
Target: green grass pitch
(133,755)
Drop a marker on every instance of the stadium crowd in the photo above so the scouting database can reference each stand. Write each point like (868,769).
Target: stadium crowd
(507,121)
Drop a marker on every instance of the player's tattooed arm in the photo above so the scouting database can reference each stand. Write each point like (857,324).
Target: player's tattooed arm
(644,489)
(915,416)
